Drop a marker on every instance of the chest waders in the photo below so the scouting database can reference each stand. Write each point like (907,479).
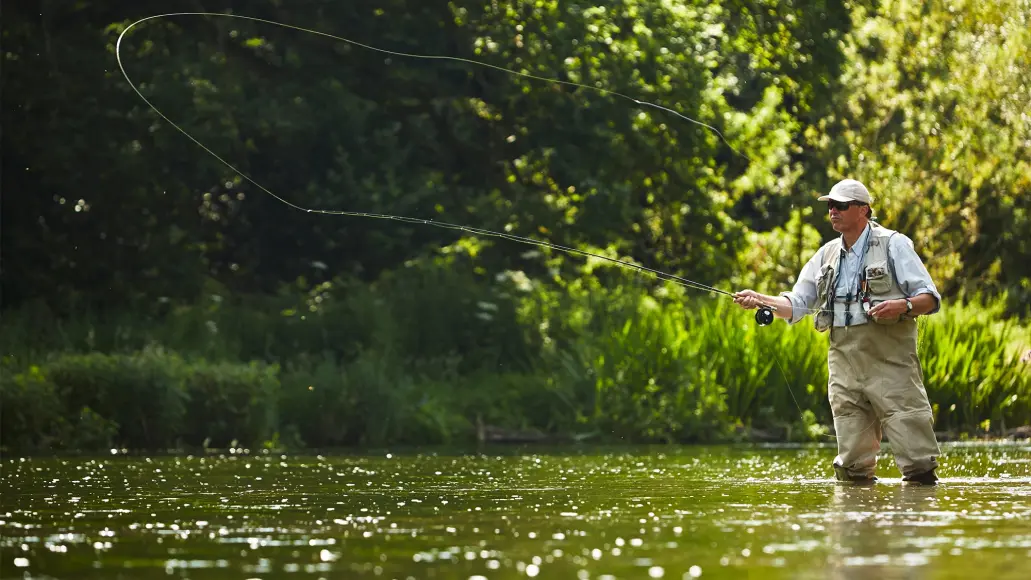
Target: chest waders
(875,385)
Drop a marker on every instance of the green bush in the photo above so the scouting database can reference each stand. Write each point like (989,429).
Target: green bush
(375,399)
(151,399)
(30,410)
(144,393)
(33,417)
(534,401)
(315,402)
(229,402)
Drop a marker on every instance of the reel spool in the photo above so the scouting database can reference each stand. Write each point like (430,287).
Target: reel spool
(764,316)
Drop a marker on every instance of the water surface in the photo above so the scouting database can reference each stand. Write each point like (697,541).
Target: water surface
(659,512)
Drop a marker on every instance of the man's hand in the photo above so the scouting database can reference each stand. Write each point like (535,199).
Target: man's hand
(749,299)
(889,309)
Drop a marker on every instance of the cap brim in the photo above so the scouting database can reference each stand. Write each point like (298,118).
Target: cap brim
(833,197)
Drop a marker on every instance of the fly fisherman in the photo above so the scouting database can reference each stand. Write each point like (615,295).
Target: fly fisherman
(879,288)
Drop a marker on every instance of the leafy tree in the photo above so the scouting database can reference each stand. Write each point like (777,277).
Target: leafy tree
(933,117)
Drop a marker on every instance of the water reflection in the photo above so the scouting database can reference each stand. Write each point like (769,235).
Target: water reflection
(884,531)
(898,531)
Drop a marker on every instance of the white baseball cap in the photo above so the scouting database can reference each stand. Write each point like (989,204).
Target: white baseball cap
(848,190)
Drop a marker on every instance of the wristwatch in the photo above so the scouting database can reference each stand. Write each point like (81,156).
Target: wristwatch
(909,308)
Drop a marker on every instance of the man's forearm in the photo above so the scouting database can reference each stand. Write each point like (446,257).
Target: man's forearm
(783,305)
(922,304)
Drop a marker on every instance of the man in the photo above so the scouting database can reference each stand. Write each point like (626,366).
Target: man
(867,287)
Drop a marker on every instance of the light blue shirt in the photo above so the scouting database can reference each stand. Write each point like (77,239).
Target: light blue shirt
(851,267)
(910,273)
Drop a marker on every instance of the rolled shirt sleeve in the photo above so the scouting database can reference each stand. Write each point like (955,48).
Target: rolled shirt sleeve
(910,273)
(803,295)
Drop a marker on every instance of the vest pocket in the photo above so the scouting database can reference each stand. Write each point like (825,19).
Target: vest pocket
(823,318)
(824,281)
(878,279)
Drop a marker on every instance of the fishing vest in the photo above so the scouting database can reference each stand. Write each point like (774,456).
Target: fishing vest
(876,269)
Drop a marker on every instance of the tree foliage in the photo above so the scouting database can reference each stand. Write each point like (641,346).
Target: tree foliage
(934,115)
(925,102)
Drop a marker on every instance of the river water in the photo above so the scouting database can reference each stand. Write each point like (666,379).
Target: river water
(572,512)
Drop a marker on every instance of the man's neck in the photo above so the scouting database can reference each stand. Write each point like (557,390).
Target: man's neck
(851,237)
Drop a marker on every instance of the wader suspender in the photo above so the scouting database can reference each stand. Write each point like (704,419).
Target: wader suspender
(832,292)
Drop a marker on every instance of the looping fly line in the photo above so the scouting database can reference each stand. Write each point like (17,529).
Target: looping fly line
(473,230)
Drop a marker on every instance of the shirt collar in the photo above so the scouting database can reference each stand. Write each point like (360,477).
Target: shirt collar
(860,242)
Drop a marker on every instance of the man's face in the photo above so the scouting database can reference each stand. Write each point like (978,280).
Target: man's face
(845,216)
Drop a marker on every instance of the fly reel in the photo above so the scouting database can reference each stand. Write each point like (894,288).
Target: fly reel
(764,315)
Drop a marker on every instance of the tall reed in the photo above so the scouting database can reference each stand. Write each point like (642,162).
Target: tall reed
(975,380)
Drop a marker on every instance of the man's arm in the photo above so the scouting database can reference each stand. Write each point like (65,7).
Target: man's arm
(922,304)
(914,280)
(791,306)
(749,299)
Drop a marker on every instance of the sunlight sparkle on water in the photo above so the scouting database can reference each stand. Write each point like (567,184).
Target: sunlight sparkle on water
(590,514)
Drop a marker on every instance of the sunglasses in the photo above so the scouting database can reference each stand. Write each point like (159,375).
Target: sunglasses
(842,205)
